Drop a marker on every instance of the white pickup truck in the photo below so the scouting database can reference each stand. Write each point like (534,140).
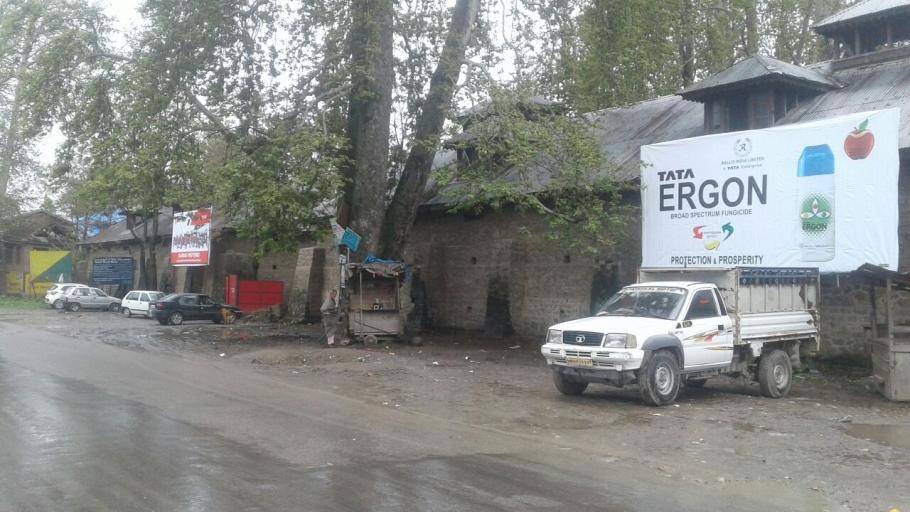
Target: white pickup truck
(687,325)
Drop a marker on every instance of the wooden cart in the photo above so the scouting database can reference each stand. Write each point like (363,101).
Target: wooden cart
(374,307)
(890,343)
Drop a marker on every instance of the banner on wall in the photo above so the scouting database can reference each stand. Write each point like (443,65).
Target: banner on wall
(15,283)
(112,270)
(47,268)
(190,238)
(817,194)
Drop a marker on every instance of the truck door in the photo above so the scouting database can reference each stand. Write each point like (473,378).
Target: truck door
(707,335)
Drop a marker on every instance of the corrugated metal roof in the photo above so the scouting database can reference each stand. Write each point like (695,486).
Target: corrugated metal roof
(622,131)
(119,232)
(37,227)
(754,68)
(876,87)
(860,10)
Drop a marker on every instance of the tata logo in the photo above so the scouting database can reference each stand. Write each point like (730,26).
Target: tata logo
(580,339)
(743,147)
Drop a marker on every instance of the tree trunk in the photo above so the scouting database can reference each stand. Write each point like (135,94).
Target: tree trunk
(152,266)
(8,152)
(403,209)
(751,28)
(687,44)
(369,116)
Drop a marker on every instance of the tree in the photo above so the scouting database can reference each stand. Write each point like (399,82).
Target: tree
(47,53)
(542,159)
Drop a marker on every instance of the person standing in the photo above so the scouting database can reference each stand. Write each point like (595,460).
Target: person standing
(329,311)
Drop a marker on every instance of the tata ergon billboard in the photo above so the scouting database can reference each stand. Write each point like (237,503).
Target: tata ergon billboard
(191,238)
(816,194)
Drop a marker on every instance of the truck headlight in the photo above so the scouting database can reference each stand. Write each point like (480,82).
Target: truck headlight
(620,341)
(554,336)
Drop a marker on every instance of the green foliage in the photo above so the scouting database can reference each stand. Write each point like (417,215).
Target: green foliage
(275,190)
(537,158)
(20,303)
(48,52)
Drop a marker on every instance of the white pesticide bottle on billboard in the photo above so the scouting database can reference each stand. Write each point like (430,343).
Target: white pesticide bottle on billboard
(815,196)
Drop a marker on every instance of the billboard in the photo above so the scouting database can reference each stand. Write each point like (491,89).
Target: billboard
(46,268)
(190,238)
(817,194)
(112,270)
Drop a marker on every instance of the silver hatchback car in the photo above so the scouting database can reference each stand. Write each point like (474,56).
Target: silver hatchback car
(84,297)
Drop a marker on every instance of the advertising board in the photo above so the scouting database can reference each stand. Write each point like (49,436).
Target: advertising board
(112,270)
(816,194)
(191,238)
(47,268)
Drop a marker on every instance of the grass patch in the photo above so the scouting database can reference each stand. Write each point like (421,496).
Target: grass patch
(9,302)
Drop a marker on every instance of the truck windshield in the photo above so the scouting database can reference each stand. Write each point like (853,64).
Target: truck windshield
(651,301)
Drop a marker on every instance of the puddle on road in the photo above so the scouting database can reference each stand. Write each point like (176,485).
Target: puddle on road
(889,435)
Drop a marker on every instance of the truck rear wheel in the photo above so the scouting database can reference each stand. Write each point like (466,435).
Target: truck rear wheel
(775,374)
(658,380)
(567,385)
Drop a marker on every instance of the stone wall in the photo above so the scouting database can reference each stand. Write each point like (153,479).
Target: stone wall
(471,264)
(846,302)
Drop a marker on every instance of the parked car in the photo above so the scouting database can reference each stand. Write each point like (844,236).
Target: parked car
(137,302)
(175,308)
(85,297)
(54,295)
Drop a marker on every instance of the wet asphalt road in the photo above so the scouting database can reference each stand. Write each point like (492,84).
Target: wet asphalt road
(87,426)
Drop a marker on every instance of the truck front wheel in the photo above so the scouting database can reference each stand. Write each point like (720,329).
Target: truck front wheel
(567,385)
(658,379)
(775,374)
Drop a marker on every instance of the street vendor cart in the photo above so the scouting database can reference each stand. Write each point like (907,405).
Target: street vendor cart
(375,300)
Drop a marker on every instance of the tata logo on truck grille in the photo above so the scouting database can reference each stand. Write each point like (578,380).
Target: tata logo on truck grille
(582,338)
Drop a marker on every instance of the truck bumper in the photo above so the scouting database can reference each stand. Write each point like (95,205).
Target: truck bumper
(594,364)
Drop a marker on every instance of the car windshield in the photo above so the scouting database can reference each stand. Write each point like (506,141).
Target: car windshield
(648,301)
(155,295)
(170,297)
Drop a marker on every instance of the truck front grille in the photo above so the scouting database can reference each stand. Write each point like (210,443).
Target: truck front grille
(590,339)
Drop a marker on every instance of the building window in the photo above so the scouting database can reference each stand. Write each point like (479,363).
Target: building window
(737,113)
(717,116)
(761,110)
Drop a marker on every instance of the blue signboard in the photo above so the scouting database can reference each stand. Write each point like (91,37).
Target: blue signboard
(350,239)
(112,270)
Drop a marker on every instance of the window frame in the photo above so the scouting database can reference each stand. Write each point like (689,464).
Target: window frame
(692,303)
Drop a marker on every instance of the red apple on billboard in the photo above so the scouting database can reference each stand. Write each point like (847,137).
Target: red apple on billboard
(859,142)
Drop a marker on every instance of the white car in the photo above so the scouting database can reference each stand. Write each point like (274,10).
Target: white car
(137,302)
(54,296)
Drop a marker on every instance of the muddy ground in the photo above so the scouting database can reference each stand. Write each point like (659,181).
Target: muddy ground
(834,435)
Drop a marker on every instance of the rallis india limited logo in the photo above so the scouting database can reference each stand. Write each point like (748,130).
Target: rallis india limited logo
(815,214)
(742,147)
(712,236)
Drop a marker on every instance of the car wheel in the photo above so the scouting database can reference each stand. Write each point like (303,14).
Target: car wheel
(58,304)
(114,307)
(74,306)
(126,312)
(658,380)
(775,374)
(568,385)
(176,318)
(695,383)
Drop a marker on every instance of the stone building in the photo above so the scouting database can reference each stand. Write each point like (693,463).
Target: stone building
(20,235)
(301,271)
(466,261)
